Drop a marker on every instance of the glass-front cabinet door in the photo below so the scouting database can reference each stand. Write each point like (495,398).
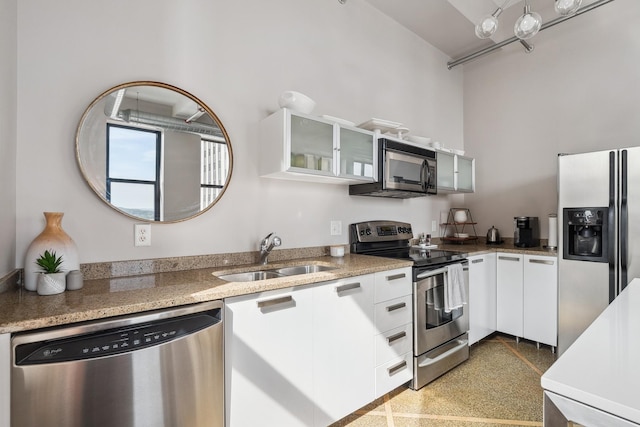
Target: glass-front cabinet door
(311,144)
(446,171)
(309,148)
(456,173)
(466,174)
(356,154)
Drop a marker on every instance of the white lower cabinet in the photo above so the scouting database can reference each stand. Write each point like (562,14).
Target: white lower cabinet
(510,283)
(310,355)
(482,296)
(268,357)
(394,329)
(343,347)
(5,391)
(541,299)
(527,296)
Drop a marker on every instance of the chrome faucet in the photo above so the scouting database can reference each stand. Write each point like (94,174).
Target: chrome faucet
(266,247)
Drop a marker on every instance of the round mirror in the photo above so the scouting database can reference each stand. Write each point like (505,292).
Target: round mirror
(154,152)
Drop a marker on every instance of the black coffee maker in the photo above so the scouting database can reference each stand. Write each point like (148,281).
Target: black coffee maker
(527,232)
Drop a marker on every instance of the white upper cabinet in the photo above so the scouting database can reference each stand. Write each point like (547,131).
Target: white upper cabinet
(307,148)
(456,173)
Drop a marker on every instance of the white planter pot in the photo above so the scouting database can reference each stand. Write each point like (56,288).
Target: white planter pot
(51,284)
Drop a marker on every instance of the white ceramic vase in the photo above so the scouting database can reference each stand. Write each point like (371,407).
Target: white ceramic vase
(52,238)
(51,283)
(460,216)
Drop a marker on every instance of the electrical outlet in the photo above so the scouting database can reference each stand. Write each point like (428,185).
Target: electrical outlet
(336,228)
(434,225)
(142,234)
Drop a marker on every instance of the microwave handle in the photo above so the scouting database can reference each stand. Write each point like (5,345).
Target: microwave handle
(425,175)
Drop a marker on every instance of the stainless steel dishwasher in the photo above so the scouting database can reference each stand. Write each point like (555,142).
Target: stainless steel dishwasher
(157,369)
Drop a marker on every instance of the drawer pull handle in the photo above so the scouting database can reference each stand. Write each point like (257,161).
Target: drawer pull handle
(395,369)
(396,277)
(465,268)
(541,261)
(396,337)
(509,258)
(395,307)
(347,287)
(476,261)
(274,301)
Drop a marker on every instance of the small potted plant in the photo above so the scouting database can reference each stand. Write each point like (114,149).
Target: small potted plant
(51,279)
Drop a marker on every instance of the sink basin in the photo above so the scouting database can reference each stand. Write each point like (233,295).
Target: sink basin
(250,276)
(302,269)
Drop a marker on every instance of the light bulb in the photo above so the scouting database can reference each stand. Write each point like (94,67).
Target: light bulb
(528,24)
(567,7)
(487,27)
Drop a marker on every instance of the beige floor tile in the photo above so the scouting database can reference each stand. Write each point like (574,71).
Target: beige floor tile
(498,386)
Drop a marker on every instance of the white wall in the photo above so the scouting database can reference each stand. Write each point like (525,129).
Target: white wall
(8,102)
(237,57)
(578,91)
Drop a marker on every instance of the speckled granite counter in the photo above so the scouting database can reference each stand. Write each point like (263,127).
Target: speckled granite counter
(126,287)
(100,298)
(482,248)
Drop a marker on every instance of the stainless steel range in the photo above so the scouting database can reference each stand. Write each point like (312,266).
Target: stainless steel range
(440,340)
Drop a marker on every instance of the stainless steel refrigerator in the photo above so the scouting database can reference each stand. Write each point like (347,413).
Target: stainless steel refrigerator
(598,234)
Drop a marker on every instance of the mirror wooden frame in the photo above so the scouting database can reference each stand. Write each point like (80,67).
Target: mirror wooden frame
(91,152)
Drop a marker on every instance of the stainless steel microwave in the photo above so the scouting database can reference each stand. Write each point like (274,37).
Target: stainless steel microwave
(404,171)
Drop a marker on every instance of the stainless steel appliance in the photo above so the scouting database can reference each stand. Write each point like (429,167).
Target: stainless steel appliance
(599,221)
(404,171)
(440,339)
(527,232)
(158,369)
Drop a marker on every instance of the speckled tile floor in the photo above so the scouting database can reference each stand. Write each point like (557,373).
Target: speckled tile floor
(498,386)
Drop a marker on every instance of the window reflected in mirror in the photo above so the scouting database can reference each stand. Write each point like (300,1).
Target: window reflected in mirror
(154,152)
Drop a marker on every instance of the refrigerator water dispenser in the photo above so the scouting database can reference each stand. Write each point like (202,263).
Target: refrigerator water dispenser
(585,234)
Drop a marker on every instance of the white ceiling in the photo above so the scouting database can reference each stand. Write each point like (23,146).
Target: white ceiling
(449,25)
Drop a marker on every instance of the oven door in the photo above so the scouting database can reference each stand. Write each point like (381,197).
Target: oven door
(432,325)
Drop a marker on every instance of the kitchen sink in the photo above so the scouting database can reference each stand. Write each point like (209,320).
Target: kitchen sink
(303,269)
(252,276)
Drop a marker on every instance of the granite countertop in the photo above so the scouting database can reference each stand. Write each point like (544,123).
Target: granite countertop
(100,298)
(479,248)
(132,288)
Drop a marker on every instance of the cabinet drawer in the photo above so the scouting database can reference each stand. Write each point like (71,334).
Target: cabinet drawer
(393,313)
(393,284)
(394,373)
(393,343)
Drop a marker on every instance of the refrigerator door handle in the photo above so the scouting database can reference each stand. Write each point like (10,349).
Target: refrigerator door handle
(624,222)
(611,221)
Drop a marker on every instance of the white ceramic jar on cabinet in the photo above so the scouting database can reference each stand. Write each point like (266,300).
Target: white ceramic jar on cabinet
(302,147)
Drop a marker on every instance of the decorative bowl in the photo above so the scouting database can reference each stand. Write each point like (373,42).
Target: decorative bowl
(296,101)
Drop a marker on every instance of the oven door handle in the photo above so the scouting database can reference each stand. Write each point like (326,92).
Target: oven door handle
(431,273)
(428,361)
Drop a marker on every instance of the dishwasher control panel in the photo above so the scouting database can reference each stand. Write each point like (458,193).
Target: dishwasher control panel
(112,341)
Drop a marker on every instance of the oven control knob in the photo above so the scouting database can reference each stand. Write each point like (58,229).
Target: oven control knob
(368,231)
